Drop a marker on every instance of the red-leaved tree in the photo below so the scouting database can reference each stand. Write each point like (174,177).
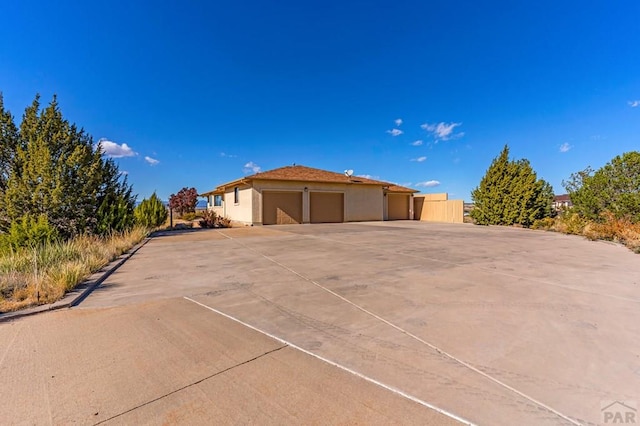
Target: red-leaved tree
(184,201)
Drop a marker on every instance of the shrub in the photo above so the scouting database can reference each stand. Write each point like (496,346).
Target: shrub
(223,222)
(613,189)
(208,219)
(189,216)
(545,224)
(211,220)
(151,212)
(570,223)
(612,228)
(28,232)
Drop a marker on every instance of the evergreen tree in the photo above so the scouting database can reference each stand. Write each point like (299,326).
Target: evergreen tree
(8,146)
(510,193)
(151,212)
(56,172)
(614,188)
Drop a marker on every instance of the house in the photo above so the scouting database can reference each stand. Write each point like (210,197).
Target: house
(299,194)
(561,202)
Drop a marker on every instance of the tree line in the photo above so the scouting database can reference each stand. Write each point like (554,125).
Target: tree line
(55,181)
(510,193)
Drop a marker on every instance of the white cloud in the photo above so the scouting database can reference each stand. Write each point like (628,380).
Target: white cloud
(113,150)
(565,147)
(419,159)
(417,143)
(442,130)
(398,122)
(395,132)
(429,183)
(224,154)
(251,167)
(634,104)
(151,161)
(369,177)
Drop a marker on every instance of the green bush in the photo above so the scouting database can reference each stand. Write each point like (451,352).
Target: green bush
(151,212)
(570,222)
(613,189)
(189,216)
(544,224)
(28,232)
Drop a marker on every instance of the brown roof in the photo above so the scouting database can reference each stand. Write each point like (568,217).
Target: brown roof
(563,197)
(308,174)
(398,188)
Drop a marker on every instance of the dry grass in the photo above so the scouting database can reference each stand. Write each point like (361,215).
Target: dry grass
(620,230)
(610,228)
(43,275)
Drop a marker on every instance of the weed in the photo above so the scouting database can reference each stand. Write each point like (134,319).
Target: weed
(44,273)
(608,227)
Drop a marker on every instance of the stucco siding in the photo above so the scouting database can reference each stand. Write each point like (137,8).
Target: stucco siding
(363,203)
(242,211)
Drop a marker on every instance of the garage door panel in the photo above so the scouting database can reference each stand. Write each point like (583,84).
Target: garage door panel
(398,206)
(326,207)
(281,208)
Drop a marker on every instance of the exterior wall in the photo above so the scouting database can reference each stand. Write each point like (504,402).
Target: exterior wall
(361,202)
(438,210)
(219,210)
(241,212)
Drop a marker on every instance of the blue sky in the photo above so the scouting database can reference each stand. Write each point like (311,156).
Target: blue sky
(198,93)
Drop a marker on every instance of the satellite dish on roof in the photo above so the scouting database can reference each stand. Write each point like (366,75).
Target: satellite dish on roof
(348,173)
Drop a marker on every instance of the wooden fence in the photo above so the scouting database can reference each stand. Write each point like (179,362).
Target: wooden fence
(438,208)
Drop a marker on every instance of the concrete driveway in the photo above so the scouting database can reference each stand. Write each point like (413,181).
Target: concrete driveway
(491,325)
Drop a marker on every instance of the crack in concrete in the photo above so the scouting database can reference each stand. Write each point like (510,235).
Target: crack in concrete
(191,384)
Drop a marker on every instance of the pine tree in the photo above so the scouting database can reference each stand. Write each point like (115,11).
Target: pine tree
(510,193)
(8,146)
(57,172)
(151,212)
(116,202)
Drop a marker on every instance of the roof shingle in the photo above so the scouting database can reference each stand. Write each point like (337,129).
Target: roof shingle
(309,174)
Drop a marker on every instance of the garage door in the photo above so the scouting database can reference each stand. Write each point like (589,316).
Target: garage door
(326,207)
(281,208)
(398,207)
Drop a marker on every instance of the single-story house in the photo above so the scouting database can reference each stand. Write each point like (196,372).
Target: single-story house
(299,194)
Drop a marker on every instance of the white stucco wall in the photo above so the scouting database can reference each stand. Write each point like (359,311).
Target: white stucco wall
(218,209)
(241,211)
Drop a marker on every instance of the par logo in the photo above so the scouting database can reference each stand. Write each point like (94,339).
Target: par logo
(619,412)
